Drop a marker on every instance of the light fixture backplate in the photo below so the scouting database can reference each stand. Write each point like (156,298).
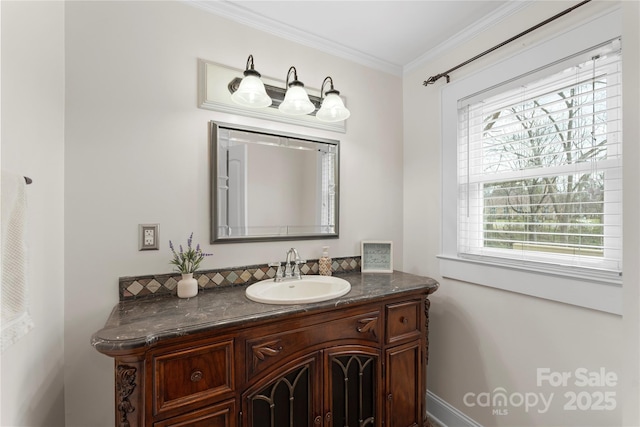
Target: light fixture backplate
(213,94)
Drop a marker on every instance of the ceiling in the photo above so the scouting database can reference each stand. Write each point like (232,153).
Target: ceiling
(392,36)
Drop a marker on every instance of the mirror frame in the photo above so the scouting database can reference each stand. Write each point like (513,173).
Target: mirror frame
(213,174)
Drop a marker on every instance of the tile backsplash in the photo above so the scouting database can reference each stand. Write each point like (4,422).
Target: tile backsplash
(163,284)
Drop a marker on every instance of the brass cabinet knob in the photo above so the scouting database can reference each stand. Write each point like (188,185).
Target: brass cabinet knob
(196,376)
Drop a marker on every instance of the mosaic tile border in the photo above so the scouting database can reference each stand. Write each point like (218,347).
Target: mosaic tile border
(135,287)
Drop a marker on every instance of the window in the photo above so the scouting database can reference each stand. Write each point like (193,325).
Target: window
(539,170)
(531,169)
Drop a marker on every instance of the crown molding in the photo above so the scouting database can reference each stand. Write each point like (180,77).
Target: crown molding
(235,12)
(241,15)
(488,21)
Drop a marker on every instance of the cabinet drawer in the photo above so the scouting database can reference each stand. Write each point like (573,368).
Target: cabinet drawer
(403,321)
(220,415)
(270,349)
(196,375)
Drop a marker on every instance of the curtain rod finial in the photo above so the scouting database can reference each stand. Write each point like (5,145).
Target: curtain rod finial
(431,80)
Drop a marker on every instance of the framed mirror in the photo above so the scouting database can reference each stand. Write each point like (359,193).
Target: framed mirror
(269,186)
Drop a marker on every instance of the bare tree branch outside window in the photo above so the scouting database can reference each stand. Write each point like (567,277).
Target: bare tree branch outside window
(558,212)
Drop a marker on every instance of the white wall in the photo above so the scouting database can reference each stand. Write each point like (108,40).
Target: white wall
(33,145)
(136,152)
(631,130)
(483,338)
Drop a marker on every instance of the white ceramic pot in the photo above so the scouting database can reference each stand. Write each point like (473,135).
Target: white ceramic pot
(187,286)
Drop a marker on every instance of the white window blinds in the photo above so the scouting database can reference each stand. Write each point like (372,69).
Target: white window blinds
(540,168)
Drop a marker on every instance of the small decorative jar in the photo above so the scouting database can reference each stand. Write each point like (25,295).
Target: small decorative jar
(324,263)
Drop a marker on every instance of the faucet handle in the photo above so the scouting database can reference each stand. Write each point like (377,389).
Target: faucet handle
(296,268)
(278,276)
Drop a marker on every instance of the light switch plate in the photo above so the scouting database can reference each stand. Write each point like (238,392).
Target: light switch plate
(148,237)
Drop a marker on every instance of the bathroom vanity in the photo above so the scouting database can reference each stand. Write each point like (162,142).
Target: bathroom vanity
(220,359)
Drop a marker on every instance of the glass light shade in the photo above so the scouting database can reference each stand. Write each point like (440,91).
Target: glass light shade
(296,102)
(251,93)
(332,109)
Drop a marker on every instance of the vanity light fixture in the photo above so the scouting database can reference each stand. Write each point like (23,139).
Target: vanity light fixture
(296,100)
(292,100)
(332,109)
(251,92)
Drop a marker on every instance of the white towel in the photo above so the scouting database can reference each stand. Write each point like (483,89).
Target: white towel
(16,321)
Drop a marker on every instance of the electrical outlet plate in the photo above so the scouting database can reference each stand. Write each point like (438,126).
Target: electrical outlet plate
(148,237)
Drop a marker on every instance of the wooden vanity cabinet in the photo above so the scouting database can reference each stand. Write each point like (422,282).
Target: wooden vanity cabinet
(356,365)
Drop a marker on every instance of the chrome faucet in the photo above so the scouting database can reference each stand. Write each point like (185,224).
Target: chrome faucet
(287,266)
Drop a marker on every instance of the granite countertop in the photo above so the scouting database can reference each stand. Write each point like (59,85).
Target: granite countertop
(141,323)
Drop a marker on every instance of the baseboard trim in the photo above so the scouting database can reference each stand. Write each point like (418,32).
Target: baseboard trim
(444,415)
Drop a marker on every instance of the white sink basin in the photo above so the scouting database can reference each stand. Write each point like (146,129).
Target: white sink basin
(293,291)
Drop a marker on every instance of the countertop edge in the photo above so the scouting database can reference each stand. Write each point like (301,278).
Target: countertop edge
(112,347)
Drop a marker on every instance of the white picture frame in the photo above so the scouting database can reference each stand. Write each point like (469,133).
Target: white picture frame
(376,256)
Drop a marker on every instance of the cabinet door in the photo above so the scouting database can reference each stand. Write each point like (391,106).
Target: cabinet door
(352,389)
(289,397)
(403,386)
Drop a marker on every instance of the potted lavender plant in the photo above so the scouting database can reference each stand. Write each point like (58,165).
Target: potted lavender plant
(187,262)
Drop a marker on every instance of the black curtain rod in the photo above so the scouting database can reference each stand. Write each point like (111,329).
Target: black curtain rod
(435,78)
